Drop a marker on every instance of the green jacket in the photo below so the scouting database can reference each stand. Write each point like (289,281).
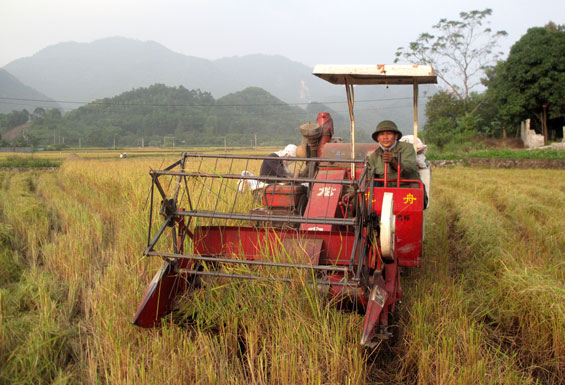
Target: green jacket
(409,167)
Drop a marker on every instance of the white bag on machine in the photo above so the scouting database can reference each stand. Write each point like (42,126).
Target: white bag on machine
(425,170)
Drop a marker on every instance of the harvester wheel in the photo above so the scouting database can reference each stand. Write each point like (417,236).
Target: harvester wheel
(301,205)
(387,228)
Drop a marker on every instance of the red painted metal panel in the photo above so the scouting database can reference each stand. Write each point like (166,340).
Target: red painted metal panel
(306,251)
(161,293)
(263,243)
(324,198)
(283,196)
(408,209)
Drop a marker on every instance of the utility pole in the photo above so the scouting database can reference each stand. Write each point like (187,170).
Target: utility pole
(79,144)
(114,142)
(142,142)
(225,145)
(255,140)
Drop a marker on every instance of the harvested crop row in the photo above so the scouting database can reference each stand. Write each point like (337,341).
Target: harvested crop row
(511,255)
(442,341)
(38,343)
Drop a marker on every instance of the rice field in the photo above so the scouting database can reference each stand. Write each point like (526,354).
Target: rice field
(487,306)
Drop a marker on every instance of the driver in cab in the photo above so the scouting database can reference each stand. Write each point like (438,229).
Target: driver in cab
(389,148)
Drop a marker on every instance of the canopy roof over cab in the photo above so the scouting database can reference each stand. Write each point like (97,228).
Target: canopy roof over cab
(384,74)
(376,74)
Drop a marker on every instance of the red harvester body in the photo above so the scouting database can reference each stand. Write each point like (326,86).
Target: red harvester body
(333,221)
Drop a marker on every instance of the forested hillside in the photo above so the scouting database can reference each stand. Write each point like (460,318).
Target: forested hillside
(19,96)
(160,115)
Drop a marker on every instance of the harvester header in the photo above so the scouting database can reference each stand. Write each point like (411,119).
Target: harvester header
(330,214)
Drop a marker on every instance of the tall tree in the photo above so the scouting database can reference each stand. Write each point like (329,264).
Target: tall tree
(531,82)
(459,50)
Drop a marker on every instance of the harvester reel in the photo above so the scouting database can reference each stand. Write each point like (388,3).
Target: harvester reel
(387,229)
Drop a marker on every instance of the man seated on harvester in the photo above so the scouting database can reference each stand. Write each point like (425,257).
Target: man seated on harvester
(276,165)
(389,151)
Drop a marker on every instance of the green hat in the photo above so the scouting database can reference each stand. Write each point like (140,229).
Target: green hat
(386,125)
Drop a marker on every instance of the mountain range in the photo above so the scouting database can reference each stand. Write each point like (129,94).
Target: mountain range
(107,67)
(19,96)
(75,74)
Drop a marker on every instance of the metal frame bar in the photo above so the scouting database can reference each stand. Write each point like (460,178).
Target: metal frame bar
(269,218)
(263,157)
(254,177)
(320,282)
(251,262)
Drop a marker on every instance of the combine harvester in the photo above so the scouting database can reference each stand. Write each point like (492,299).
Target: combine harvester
(330,220)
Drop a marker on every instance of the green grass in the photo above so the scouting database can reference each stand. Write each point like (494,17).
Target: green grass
(444,156)
(499,153)
(27,162)
(518,154)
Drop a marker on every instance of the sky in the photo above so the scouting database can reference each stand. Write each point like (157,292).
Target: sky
(307,31)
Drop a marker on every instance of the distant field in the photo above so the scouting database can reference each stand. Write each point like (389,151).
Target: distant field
(135,152)
(500,153)
(27,160)
(55,158)
(488,305)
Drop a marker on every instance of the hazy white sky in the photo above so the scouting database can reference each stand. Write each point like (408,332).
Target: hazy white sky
(307,31)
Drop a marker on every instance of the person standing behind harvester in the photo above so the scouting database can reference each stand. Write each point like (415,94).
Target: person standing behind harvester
(275,166)
(387,136)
